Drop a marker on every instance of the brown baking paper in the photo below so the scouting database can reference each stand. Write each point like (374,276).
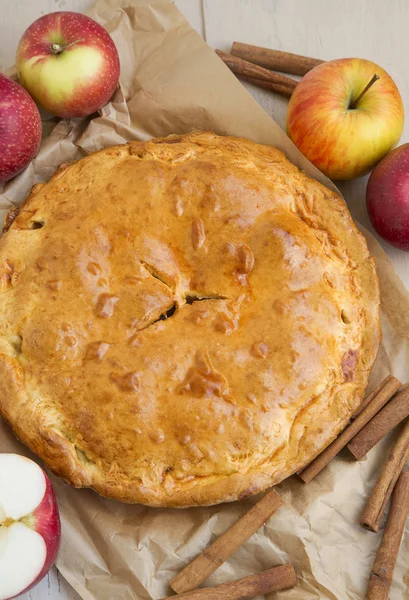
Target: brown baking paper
(172,82)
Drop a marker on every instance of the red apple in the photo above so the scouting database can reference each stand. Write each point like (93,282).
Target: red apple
(68,63)
(29,525)
(339,123)
(20,128)
(387,198)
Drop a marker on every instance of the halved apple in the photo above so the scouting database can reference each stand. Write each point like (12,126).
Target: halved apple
(30,527)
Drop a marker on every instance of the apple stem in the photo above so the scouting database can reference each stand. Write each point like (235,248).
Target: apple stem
(366,88)
(57,48)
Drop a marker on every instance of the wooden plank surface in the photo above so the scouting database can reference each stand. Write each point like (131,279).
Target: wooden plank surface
(373,29)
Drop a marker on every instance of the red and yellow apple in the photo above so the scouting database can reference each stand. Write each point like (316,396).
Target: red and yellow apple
(20,128)
(387,198)
(68,63)
(340,130)
(29,525)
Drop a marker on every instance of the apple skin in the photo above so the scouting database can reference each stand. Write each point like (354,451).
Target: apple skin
(20,128)
(343,142)
(76,77)
(387,198)
(44,520)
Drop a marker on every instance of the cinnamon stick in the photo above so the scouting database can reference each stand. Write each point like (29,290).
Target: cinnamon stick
(391,415)
(242,68)
(285,62)
(272,580)
(279,88)
(217,553)
(389,389)
(381,575)
(365,403)
(372,515)
(372,395)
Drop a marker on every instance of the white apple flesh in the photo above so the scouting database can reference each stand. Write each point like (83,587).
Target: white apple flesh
(29,525)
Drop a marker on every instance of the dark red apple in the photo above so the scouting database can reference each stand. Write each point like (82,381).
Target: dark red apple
(29,525)
(68,63)
(387,198)
(20,128)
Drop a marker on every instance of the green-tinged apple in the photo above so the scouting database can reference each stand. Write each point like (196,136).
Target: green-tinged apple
(345,115)
(29,525)
(68,63)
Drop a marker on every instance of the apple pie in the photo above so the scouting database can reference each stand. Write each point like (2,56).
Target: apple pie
(185,321)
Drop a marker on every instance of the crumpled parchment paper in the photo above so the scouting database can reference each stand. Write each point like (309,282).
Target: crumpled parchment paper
(172,82)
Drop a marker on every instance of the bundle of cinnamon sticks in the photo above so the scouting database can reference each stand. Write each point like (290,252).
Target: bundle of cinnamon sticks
(277,578)
(382,410)
(264,67)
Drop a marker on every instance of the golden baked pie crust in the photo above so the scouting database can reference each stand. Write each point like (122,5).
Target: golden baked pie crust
(184,321)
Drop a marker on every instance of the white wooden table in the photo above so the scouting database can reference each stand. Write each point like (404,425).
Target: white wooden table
(326,29)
